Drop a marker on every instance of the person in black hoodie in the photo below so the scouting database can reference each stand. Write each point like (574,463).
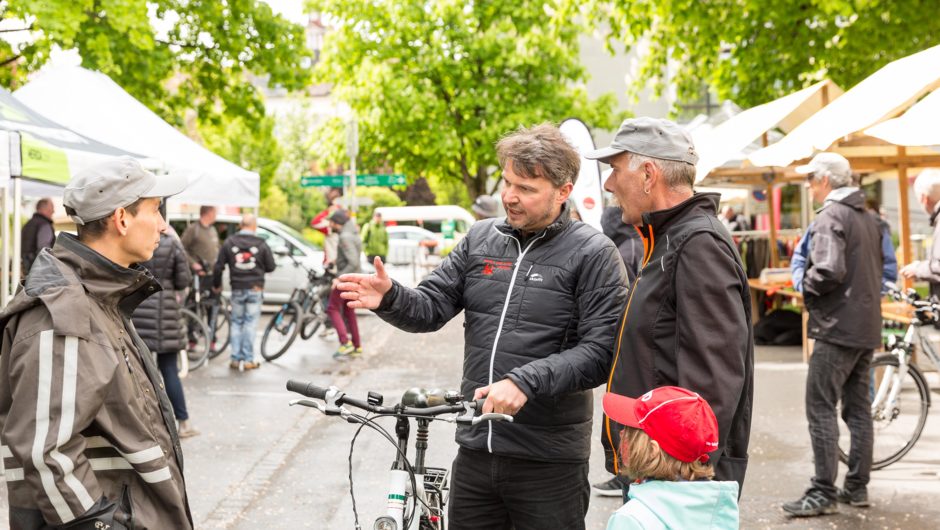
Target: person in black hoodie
(688,320)
(159,323)
(248,259)
(842,292)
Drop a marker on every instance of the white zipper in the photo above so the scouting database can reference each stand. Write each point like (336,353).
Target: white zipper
(502,317)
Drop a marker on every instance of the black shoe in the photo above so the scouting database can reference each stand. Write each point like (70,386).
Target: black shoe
(811,504)
(857,498)
(610,488)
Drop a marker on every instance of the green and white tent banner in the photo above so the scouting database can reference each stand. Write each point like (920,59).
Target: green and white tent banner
(41,149)
(37,156)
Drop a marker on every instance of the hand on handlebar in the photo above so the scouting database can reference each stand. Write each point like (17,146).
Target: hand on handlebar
(502,397)
(365,291)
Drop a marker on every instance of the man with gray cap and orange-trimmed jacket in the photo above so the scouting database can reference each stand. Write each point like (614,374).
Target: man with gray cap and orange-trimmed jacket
(88,435)
(688,320)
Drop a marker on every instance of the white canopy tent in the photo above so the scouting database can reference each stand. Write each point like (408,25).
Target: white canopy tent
(95,106)
(37,157)
(729,139)
(919,126)
(880,96)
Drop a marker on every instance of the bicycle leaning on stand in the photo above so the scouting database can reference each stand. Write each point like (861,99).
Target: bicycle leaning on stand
(302,314)
(417,493)
(900,393)
(206,324)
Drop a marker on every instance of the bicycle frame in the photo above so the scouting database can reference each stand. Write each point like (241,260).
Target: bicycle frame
(404,478)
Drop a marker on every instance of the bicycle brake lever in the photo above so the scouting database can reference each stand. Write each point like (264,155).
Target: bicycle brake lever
(309,403)
(491,416)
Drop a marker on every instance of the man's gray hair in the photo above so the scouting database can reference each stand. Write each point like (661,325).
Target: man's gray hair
(677,174)
(540,151)
(836,180)
(928,183)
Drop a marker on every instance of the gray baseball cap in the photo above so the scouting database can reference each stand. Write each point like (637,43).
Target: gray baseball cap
(827,164)
(99,190)
(650,137)
(486,206)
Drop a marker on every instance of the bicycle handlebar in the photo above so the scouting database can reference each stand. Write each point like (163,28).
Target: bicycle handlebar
(335,398)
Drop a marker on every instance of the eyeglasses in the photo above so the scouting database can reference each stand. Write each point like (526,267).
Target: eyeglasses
(810,177)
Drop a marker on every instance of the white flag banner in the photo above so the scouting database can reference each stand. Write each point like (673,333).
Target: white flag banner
(587,193)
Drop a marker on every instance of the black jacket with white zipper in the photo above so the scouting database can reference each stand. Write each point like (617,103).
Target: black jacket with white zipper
(541,311)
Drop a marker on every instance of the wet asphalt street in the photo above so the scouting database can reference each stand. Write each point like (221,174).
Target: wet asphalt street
(260,463)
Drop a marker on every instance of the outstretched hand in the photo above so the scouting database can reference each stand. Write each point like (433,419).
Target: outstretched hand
(365,291)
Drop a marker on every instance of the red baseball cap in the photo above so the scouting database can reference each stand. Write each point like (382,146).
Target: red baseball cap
(680,421)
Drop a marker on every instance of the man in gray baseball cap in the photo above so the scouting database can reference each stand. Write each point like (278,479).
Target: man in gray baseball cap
(693,294)
(73,364)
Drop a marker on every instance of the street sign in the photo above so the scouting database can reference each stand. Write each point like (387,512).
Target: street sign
(337,181)
(332,181)
(380,180)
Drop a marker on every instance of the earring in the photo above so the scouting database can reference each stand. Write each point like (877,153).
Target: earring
(646,191)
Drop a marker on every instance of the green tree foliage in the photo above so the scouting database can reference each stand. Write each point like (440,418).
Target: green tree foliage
(201,54)
(296,135)
(434,84)
(753,51)
(380,197)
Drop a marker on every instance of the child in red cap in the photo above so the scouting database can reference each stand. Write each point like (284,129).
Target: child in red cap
(668,433)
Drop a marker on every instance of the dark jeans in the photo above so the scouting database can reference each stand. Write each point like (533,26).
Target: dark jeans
(838,372)
(171,380)
(497,492)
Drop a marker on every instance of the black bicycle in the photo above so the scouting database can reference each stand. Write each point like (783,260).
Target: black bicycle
(212,309)
(302,314)
(417,492)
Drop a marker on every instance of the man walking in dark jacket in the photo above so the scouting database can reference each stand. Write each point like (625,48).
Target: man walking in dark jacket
(38,233)
(541,295)
(248,259)
(842,292)
(688,321)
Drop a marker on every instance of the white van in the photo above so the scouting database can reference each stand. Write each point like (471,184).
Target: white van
(447,221)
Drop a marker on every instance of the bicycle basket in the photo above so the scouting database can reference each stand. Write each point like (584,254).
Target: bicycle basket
(435,477)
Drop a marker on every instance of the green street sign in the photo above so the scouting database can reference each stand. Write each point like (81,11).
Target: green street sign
(337,181)
(380,180)
(332,181)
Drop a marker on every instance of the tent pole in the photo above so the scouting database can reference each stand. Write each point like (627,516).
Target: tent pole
(904,226)
(15,232)
(5,248)
(771,215)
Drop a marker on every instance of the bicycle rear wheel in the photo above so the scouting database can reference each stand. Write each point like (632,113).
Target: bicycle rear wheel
(312,320)
(281,331)
(197,339)
(898,425)
(221,328)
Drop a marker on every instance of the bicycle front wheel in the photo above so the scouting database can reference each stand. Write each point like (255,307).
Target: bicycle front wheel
(281,331)
(899,411)
(197,339)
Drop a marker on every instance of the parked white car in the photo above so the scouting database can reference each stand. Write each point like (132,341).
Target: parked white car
(282,239)
(405,243)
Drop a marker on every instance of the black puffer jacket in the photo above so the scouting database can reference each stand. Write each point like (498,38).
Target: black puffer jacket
(157,318)
(842,285)
(541,311)
(688,324)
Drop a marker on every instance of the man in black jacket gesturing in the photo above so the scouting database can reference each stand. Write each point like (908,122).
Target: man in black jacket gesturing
(541,296)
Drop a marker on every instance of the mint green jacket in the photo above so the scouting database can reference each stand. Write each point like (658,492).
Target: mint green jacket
(661,505)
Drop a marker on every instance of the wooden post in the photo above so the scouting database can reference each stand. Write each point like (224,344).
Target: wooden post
(771,214)
(904,226)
